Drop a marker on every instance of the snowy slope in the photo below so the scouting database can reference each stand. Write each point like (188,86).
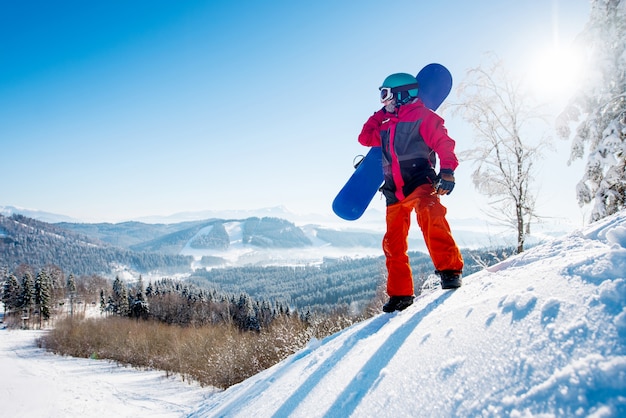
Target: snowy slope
(35,383)
(541,333)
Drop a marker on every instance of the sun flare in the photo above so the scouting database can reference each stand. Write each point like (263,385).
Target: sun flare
(555,73)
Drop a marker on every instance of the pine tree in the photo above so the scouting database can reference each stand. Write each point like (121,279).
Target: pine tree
(103,304)
(149,290)
(599,111)
(11,294)
(119,299)
(244,314)
(27,296)
(43,295)
(139,286)
(70,286)
(139,306)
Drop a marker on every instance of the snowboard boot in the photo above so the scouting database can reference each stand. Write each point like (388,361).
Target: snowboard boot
(450,279)
(397,303)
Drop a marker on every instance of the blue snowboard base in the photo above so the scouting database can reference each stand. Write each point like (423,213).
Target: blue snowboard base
(361,188)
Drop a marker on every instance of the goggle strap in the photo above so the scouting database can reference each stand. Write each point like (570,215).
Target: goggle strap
(405,88)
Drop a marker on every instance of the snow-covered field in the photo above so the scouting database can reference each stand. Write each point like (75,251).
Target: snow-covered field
(34,383)
(540,334)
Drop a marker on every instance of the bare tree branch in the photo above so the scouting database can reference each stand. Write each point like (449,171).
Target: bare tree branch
(498,110)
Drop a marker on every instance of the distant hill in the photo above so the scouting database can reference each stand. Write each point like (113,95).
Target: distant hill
(132,235)
(25,240)
(82,248)
(266,232)
(236,242)
(35,214)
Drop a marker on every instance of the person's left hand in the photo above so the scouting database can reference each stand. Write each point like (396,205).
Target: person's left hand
(445,184)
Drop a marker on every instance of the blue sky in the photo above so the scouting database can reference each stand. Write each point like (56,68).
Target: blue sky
(114,110)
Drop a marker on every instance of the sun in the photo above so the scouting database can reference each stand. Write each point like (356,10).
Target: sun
(555,73)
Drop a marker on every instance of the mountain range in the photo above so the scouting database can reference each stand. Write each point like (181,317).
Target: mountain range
(270,236)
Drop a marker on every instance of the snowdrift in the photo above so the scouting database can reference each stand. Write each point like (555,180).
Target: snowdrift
(540,333)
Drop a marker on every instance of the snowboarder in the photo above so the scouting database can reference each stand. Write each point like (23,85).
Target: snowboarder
(410,134)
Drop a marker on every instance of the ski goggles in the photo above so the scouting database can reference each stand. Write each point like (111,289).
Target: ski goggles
(388,93)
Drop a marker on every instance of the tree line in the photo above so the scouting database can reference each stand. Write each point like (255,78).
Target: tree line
(180,303)
(32,300)
(348,284)
(248,297)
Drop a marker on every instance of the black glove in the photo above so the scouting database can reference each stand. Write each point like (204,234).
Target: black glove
(445,182)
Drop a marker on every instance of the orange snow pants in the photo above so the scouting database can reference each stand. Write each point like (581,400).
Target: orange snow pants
(432,221)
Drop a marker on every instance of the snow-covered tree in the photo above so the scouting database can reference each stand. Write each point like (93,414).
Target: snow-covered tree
(27,296)
(70,287)
(138,304)
(499,110)
(244,314)
(119,300)
(598,109)
(11,294)
(103,303)
(43,295)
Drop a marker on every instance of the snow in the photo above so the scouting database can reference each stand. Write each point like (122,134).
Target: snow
(39,384)
(540,334)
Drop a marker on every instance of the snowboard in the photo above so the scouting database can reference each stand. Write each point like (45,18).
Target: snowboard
(435,83)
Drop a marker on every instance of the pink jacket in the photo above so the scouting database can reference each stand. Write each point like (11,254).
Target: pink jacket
(409,138)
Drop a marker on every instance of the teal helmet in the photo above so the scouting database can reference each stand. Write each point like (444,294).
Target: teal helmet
(401,86)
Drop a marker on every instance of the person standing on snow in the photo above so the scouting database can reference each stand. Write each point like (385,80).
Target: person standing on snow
(410,135)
